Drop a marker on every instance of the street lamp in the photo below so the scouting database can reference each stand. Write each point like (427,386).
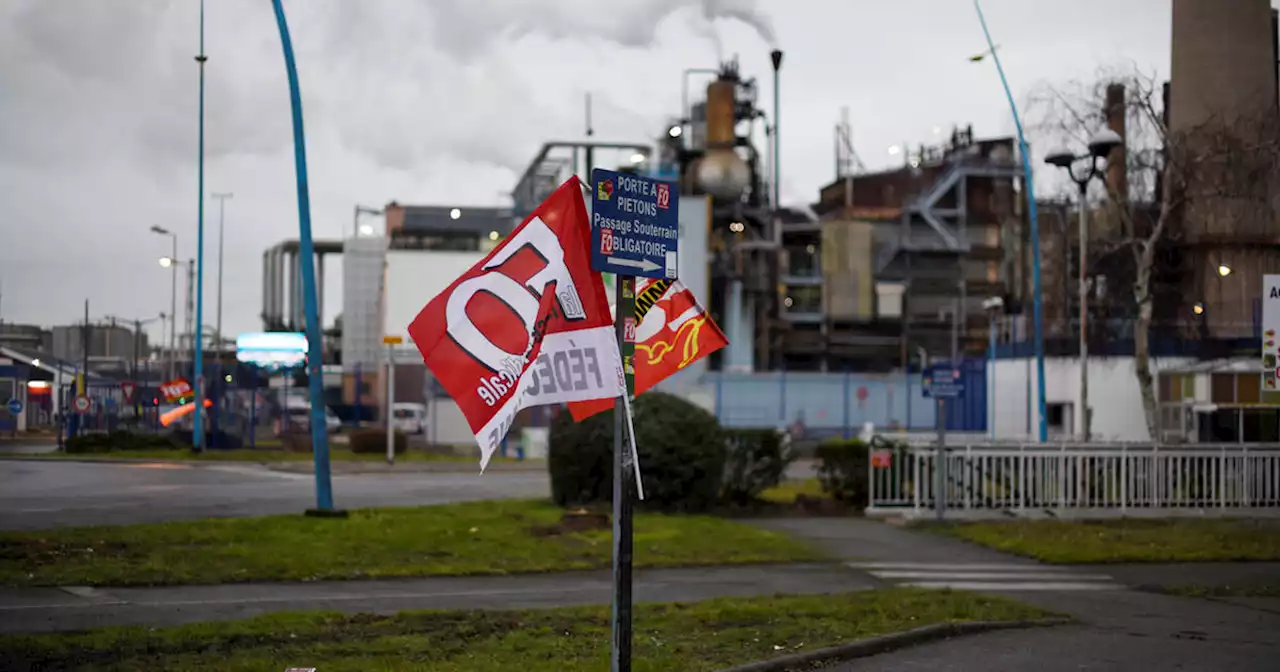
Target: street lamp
(363,230)
(1100,147)
(170,262)
(173,296)
(1033,219)
(217,339)
(993,306)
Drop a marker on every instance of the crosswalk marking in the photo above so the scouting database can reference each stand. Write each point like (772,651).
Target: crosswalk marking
(990,577)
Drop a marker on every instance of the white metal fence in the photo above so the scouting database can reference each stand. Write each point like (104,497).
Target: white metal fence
(1011,479)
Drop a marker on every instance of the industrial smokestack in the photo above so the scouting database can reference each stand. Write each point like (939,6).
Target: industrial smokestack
(776,57)
(1117,170)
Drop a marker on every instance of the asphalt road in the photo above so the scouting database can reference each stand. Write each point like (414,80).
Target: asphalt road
(44,494)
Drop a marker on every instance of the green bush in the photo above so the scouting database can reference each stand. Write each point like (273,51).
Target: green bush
(757,459)
(681,446)
(374,441)
(842,469)
(118,440)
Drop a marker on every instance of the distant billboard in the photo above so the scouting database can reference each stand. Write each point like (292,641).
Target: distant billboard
(272,350)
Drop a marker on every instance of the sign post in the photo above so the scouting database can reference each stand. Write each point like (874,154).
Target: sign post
(1270,333)
(634,232)
(942,382)
(391,343)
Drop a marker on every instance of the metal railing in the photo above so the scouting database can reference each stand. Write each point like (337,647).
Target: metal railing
(1011,479)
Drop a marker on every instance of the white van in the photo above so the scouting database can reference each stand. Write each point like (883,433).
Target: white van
(409,418)
(297,413)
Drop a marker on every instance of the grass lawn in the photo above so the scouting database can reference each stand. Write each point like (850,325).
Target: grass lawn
(694,637)
(1126,539)
(787,491)
(495,537)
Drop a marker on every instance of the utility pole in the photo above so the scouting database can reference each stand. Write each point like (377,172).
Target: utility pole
(217,330)
(198,356)
(84,348)
(191,311)
(137,341)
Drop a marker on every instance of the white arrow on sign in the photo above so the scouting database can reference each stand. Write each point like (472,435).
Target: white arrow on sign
(646,265)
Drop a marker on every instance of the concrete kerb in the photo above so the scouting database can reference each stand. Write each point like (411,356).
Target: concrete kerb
(302,466)
(885,643)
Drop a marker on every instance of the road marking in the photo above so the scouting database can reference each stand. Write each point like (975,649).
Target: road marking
(1019,576)
(999,586)
(987,577)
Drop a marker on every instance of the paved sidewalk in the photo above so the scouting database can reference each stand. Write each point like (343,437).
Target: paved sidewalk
(1120,628)
(74,608)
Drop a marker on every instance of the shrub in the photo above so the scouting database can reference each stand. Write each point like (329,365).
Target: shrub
(756,460)
(374,441)
(296,442)
(842,469)
(118,440)
(681,446)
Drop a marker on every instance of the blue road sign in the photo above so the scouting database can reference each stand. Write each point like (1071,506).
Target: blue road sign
(943,381)
(635,225)
(14,406)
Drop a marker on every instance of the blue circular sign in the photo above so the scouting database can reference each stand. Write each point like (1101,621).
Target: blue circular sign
(14,406)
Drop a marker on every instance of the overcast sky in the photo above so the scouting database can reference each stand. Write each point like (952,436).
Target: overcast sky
(443,102)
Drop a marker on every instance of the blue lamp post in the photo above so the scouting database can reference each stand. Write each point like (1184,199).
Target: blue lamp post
(197,436)
(1038,319)
(306,250)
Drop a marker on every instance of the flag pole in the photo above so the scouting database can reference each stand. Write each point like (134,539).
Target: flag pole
(624,311)
(635,454)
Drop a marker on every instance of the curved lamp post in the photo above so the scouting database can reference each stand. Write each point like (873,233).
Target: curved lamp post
(1038,320)
(306,250)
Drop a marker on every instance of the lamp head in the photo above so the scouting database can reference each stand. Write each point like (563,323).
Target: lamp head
(1060,158)
(160,230)
(1105,141)
(776,57)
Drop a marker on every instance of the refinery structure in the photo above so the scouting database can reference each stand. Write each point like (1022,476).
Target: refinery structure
(881,271)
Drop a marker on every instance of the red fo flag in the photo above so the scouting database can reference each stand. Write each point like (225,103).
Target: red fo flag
(674,332)
(527,326)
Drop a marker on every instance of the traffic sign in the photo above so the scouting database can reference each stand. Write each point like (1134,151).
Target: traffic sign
(635,225)
(392,340)
(943,381)
(14,406)
(82,404)
(128,388)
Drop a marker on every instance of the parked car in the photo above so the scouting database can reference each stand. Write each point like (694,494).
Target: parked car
(409,417)
(298,417)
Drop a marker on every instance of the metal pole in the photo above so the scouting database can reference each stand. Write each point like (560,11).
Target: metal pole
(217,330)
(623,483)
(137,340)
(197,385)
(191,303)
(1037,300)
(991,367)
(1084,310)
(391,399)
(315,361)
(776,57)
(173,309)
(84,351)
(939,466)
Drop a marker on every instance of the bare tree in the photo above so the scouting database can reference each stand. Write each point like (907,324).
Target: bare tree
(1219,168)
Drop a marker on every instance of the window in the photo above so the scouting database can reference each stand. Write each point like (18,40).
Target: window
(1058,417)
